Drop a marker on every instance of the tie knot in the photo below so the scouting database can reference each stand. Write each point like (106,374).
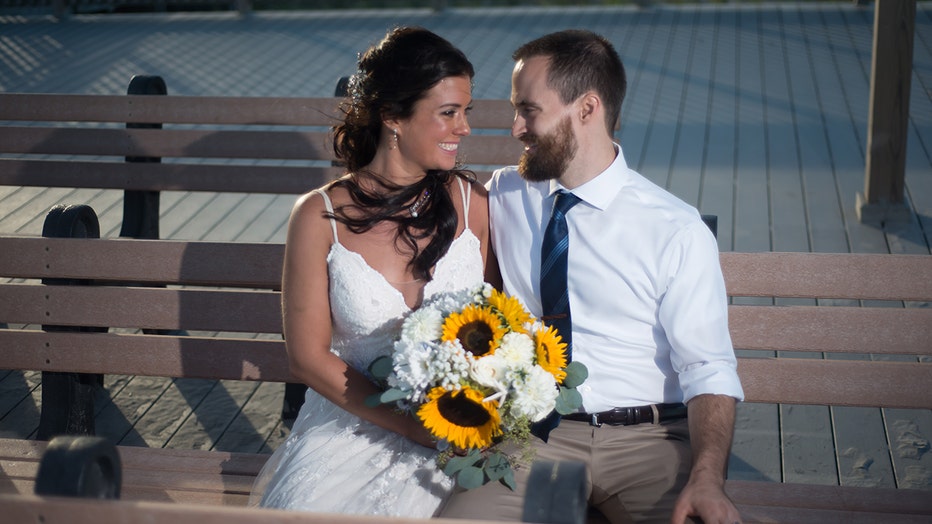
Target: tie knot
(563,201)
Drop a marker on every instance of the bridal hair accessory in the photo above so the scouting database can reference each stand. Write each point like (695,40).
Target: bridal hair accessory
(477,369)
(415,208)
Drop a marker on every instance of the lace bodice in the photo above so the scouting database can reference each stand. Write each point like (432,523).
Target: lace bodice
(367,311)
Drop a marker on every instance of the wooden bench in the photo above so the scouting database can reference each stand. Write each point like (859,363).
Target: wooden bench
(146,143)
(232,288)
(225,295)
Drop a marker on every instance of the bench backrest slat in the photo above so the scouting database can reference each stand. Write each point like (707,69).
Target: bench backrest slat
(179,262)
(165,177)
(227,110)
(818,275)
(176,143)
(807,274)
(142,308)
(785,380)
(146,355)
(212,144)
(837,329)
(836,382)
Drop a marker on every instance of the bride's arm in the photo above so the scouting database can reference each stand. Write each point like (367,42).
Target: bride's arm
(307,324)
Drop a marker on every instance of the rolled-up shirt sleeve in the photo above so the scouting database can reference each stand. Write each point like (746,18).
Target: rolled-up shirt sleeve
(694,315)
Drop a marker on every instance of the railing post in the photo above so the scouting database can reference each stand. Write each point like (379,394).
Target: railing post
(884,199)
(68,398)
(141,208)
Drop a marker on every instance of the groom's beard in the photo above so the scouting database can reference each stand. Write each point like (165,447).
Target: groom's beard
(551,155)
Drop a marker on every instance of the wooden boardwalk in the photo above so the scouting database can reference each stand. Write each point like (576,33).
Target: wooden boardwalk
(756,113)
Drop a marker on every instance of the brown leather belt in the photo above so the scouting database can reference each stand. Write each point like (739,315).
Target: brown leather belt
(651,414)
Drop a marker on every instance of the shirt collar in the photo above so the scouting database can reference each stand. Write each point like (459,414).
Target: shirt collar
(602,189)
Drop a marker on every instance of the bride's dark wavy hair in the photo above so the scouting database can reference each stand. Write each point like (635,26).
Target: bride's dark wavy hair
(392,76)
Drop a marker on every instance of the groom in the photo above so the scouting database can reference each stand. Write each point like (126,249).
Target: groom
(646,309)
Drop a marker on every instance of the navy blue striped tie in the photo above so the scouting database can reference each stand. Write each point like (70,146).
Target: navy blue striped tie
(554,296)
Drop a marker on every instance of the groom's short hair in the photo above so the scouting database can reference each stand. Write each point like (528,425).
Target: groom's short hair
(581,61)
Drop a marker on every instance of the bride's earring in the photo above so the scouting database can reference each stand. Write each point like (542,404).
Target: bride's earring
(394,144)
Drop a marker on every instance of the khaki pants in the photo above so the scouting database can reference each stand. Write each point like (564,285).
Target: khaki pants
(635,472)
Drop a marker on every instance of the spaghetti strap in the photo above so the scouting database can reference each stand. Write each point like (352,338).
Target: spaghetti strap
(465,194)
(333,222)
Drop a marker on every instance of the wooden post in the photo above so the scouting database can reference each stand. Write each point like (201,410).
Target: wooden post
(883,200)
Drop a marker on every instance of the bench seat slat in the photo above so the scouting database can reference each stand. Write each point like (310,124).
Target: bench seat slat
(143,308)
(877,330)
(138,493)
(125,260)
(827,275)
(57,510)
(812,496)
(134,457)
(53,510)
(156,479)
(146,355)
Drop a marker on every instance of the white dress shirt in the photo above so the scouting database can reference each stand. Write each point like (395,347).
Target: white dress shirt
(647,297)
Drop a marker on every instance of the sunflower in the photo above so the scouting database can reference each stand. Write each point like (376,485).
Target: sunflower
(511,310)
(461,417)
(477,328)
(551,352)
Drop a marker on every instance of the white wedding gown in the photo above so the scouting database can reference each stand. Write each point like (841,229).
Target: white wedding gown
(334,461)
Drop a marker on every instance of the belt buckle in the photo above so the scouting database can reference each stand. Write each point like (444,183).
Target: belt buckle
(595,420)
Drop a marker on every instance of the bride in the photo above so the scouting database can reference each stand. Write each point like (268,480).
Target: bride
(361,254)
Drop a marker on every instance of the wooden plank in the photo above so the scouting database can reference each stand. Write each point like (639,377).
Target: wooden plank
(836,382)
(209,110)
(907,432)
(212,416)
(56,510)
(256,427)
(685,177)
(165,176)
(124,401)
(783,166)
(880,500)
(179,143)
(823,275)
(832,329)
(790,274)
(188,309)
(148,355)
(823,210)
(752,198)
(251,265)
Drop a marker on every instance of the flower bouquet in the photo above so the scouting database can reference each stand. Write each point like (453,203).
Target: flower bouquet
(477,369)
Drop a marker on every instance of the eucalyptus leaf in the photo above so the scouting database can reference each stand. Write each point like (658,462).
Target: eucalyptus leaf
(576,374)
(470,478)
(381,367)
(509,480)
(497,466)
(568,401)
(456,464)
(393,394)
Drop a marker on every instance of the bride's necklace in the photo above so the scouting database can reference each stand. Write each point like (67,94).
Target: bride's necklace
(415,208)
